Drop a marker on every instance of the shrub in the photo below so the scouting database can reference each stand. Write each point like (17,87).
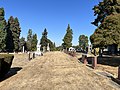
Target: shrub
(5,63)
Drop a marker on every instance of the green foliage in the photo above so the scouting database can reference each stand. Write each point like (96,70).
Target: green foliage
(104,9)
(108,22)
(67,41)
(44,41)
(83,41)
(2,30)
(5,63)
(13,34)
(52,47)
(34,42)
(108,32)
(29,40)
(22,43)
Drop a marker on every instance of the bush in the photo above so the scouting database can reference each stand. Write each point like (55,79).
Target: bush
(5,63)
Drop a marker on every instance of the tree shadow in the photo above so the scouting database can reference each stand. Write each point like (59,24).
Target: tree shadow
(11,73)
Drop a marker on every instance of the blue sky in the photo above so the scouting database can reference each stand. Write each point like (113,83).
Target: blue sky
(54,15)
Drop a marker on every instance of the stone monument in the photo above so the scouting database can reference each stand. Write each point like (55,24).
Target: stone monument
(48,47)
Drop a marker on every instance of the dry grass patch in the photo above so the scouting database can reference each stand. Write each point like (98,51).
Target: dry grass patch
(56,71)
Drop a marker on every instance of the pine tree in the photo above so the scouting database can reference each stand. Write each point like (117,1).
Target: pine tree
(2,30)
(9,38)
(44,40)
(13,29)
(29,40)
(67,41)
(34,42)
(22,43)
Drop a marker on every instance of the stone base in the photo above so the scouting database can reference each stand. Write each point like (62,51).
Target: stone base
(116,80)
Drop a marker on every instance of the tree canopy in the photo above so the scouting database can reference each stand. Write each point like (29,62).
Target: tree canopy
(44,41)
(108,32)
(83,41)
(2,30)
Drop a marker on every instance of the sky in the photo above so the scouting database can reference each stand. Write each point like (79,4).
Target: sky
(54,15)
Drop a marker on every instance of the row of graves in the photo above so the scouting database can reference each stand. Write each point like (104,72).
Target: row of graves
(38,52)
(93,62)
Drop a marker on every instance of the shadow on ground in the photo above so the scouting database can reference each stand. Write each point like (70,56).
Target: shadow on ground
(12,72)
(105,60)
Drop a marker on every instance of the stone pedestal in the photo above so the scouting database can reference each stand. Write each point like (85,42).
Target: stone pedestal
(84,59)
(94,62)
(29,57)
(119,72)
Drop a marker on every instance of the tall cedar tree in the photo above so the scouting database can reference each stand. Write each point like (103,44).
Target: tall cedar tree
(2,30)
(29,40)
(34,42)
(83,41)
(14,28)
(44,41)
(67,41)
(108,15)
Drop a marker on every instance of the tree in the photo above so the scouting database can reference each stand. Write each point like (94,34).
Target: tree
(13,30)
(9,37)
(2,30)
(29,40)
(22,43)
(67,41)
(44,40)
(83,41)
(34,42)
(108,22)
(52,47)
(104,9)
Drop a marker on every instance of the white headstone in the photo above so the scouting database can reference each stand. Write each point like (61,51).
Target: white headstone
(48,47)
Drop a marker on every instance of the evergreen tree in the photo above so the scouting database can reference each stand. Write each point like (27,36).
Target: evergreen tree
(34,42)
(83,41)
(52,47)
(22,43)
(2,30)
(67,41)
(9,38)
(104,9)
(13,30)
(29,40)
(108,22)
(44,40)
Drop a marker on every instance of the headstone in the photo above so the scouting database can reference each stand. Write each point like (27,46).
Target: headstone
(48,47)
(94,62)
(29,56)
(23,49)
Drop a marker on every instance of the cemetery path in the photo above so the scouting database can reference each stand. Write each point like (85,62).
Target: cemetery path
(56,71)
